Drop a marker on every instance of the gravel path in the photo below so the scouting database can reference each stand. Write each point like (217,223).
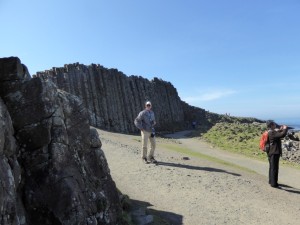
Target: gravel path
(192,189)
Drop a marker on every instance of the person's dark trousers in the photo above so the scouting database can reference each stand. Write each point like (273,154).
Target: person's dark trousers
(273,169)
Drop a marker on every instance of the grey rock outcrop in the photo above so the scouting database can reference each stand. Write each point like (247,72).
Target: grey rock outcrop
(114,100)
(11,207)
(291,147)
(52,168)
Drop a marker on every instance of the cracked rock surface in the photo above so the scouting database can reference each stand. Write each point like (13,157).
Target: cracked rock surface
(52,170)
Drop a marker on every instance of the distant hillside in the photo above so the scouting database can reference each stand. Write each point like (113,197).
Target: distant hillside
(114,99)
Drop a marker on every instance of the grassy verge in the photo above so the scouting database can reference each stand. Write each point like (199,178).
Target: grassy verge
(238,138)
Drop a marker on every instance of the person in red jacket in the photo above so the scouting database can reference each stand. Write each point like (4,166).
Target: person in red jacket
(275,151)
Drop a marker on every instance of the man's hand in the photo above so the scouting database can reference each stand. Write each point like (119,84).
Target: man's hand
(283,127)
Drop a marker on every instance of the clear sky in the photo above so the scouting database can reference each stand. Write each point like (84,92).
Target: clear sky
(227,56)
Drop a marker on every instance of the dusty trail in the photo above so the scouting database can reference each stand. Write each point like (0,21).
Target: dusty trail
(200,191)
(288,176)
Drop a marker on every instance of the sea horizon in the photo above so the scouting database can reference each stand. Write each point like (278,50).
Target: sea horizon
(291,122)
(295,123)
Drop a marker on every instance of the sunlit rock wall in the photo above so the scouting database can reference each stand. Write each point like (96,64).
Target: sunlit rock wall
(114,99)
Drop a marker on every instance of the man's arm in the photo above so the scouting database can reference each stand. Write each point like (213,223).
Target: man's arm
(154,121)
(281,133)
(138,121)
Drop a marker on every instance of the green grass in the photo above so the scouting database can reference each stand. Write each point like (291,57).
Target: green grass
(239,138)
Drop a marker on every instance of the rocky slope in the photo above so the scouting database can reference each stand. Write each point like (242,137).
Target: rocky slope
(52,170)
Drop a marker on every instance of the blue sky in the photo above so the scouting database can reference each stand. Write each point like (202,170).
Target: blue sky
(235,56)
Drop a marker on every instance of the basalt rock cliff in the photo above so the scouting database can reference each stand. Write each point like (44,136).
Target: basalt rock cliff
(113,99)
(52,168)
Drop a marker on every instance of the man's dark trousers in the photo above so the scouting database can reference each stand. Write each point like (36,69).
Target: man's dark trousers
(273,169)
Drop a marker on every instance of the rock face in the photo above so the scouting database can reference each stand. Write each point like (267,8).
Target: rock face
(291,147)
(12,210)
(52,168)
(114,100)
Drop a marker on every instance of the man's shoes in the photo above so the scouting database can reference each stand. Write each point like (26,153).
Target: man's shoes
(152,160)
(275,186)
(145,160)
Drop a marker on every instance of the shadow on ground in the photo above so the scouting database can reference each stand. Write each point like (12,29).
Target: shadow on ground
(141,210)
(289,189)
(209,169)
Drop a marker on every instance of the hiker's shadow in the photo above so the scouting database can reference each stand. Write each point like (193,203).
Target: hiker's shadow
(289,189)
(140,210)
(209,169)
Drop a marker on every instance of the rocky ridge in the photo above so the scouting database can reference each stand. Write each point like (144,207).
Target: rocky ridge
(113,99)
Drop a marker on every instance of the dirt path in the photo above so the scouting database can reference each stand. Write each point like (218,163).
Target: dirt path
(200,190)
(288,176)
